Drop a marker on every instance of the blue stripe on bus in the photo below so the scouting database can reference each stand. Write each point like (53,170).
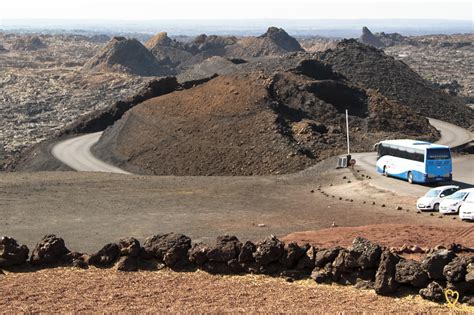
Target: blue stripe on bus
(418,177)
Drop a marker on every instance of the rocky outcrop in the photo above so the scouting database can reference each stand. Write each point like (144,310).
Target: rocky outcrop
(455,271)
(385,282)
(126,55)
(435,262)
(129,246)
(370,68)
(411,272)
(370,39)
(171,249)
(274,42)
(268,251)
(30,43)
(50,250)
(11,253)
(106,256)
(433,292)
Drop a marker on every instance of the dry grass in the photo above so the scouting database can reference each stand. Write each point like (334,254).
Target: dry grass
(71,290)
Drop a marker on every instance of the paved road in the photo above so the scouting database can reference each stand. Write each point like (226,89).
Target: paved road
(76,154)
(451,135)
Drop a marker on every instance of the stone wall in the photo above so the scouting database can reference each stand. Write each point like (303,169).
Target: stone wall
(363,264)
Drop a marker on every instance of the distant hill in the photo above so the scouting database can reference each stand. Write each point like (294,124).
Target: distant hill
(371,68)
(275,41)
(126,55)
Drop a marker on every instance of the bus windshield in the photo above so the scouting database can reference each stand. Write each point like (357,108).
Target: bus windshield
(438,154)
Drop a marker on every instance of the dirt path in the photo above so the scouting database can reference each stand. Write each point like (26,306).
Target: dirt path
(106,290)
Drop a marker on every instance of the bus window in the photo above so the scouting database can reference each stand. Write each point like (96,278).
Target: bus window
(438,154)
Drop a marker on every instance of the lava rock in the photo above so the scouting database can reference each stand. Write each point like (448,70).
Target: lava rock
(129,247)
(455,271)
(433,292)
(170,248)
(11,253)
(326,274)
(469,300)
(127,263)
(411,272)
(368,252)
(463,288)
(385,277)
(79,263)
(106,256)
(236,267)
(435,262)
(50,250)
(226,248)
(292,253)
(268,251)
(198,253)
(217,267)
(307,260)
(470,272)
(326,256)
(246,252)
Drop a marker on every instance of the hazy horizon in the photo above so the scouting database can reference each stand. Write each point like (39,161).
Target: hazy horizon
(191,27)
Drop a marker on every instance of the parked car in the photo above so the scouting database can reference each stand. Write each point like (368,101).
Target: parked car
(466,212)
(452,203)
(432,199)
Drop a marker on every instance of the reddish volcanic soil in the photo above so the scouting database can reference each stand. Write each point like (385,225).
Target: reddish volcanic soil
(393,235)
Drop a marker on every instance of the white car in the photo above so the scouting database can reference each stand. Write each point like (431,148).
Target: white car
(466,212)
(432,199)
(452,203)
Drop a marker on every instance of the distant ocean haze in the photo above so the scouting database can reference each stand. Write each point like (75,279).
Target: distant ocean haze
(303,27)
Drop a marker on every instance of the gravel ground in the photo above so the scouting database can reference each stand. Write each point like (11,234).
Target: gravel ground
(90,209)
(106,290)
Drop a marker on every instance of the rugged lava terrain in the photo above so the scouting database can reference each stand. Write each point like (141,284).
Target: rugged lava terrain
(44,89)
(49,81)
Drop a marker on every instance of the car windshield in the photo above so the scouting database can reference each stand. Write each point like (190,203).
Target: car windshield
(433,193)
(457,196)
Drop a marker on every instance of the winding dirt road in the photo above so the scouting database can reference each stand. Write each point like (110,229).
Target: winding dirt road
(76,154)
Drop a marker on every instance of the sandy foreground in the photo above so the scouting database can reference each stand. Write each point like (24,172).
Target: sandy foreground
(106,290)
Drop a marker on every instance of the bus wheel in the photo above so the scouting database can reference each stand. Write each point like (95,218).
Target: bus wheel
(410,177)
(385,171)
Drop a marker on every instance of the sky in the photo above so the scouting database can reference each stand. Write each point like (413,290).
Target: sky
(235,9)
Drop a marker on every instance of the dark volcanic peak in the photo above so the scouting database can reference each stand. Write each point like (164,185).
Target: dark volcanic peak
(160,39)
(29,44)
(280,37)
(126,55)
(254,124)
(370,39)
(275,42)
(370,68)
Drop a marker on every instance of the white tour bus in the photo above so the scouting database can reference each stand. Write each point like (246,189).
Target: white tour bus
(415,161)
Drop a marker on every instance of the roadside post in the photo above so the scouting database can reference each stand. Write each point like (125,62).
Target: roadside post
(348,144)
